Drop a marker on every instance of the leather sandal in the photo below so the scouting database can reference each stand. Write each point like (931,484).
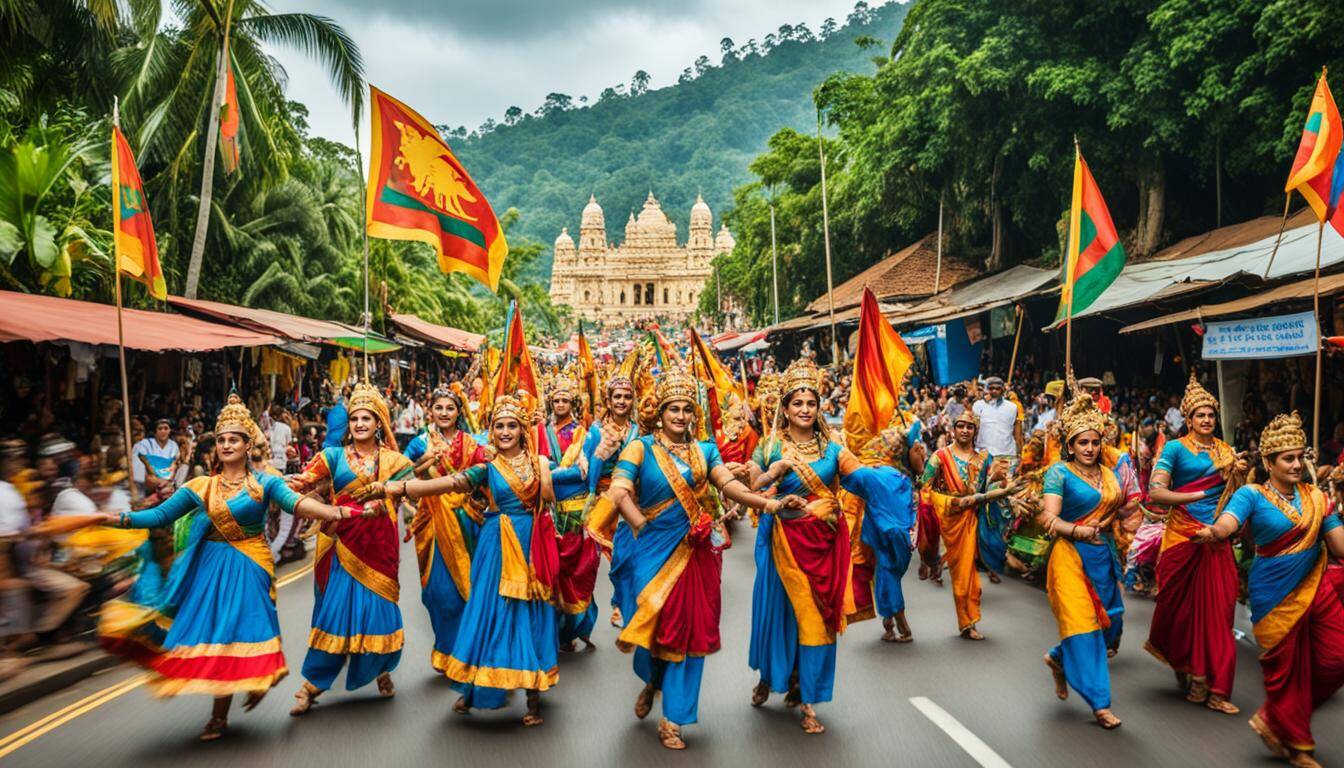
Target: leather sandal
(1061,682)
(1272,742)
(670,735)
(1220,704)
(253,699)
(810,722)
(462,706)
(760,694)
(1303,760)
(1106,719)
(1198,692)
(533,716)
(644,702)
(304,699)
(385,687)
(214,728)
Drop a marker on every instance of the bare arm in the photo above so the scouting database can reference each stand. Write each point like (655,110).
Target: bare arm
(1223,528)
(735,490)
(1048,518)
(315,510)
(1160,492)
(1334,541)
(625,504)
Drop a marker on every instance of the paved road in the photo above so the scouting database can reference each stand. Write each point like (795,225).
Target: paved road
(998,690)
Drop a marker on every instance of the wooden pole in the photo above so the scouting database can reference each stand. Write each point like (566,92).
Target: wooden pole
(1070,248)
(1316,317)
(826,239)
(1017,338)
(121,335)
(774,262)
(1287,199)
(938,269)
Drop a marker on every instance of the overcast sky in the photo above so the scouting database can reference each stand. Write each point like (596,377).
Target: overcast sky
(458,62)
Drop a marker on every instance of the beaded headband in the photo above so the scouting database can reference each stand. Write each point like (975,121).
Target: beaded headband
(1284,433)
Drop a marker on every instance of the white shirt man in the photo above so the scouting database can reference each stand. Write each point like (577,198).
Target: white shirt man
(998,421)
(411,418)
(158,452)
(1175,419)
(280,436)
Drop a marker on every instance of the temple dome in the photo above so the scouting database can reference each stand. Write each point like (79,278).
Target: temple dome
(564,241)
(724,242)
(592,214)
(701,216)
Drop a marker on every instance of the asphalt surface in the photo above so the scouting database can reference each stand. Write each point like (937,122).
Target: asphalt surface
(997,689)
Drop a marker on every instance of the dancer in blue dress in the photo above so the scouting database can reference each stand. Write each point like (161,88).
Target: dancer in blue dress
(212,627)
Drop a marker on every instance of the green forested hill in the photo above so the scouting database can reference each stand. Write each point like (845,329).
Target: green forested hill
(695,136)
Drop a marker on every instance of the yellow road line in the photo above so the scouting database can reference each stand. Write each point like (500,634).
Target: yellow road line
(56,719)
(37,730)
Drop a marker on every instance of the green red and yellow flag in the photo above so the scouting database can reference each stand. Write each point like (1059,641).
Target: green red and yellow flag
(136,252)
(665,355)
(881,361)
(1093,256)
(516,371)
(228,121)
(419,191)
(1318,167)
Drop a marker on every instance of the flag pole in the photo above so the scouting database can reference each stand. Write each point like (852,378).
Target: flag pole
(1287,199)
(1017,338)
(826,239)
(121,334)
(1068,273)
(1316,314)
(938,269)
(774,262)
(364,203)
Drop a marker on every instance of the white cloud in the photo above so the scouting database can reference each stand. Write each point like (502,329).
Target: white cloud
(460,70)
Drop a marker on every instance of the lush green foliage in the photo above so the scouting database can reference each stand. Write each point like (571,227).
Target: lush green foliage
(284,233)
(697,136)
(979,102)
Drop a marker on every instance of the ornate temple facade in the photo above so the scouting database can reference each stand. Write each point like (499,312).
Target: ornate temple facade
(649,276)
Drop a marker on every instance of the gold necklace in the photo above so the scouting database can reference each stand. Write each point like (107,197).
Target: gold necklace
(810,449)
(521,464)
(680,450)
(1093,479)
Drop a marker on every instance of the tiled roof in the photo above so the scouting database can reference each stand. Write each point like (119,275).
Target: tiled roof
(908,273)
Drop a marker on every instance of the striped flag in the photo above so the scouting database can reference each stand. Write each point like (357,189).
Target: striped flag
(137,254)
(1318,167)
(1094,256)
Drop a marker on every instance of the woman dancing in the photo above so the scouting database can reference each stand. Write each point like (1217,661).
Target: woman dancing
(1295,590)
(212,627)
(356,618)
(1081,500)
(801,597)
(661,487)
(444,527)
(507,636)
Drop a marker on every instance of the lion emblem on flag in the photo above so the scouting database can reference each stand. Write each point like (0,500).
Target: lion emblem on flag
(423,157)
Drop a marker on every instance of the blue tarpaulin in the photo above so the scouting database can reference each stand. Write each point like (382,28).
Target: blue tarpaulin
(951,354)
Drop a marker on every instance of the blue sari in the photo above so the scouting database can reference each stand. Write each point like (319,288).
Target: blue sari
(1083,583)
(507,636)
(671,555)
(623,541)
(212,626)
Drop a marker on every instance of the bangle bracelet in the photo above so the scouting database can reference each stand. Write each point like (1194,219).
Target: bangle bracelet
(123,521)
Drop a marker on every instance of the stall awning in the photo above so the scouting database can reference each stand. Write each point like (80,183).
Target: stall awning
(437,335)
(738,340)
(1296,291)
(292,327)
(28,317)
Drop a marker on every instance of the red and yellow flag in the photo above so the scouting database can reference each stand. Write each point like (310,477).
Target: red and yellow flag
(880,364)
(1318,167)
(710,370)
(1093,256)
(419,191)
(228,121)
(516,372)
(133,243)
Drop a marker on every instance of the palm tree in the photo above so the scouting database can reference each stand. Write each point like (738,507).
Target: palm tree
(171,83)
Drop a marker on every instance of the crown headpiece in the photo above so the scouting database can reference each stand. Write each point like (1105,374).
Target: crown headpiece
(1196,397)
(366,397)
(801,374)
(236,418)
(675,384)
(510,407)
(1284,433)
(620,382)
(968,415)
(1082,415)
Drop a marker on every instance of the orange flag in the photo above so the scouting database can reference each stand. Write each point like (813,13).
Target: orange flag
(228,121)
(880,365)
(516,371)
(592,391)
(419,191)
(137,254)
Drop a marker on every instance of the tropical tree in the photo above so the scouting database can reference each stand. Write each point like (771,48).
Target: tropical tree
(170,81)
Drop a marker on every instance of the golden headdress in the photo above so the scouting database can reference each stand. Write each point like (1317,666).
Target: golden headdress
(1081,415)
(366,397)
(511,407)
(675,384)
(1196,397)
(237,419)
(1284,433)
(562,383)
(801,374)
(968,414)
